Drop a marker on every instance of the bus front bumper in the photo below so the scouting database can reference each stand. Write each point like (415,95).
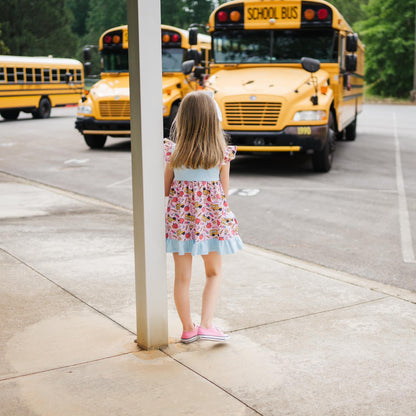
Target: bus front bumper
(115,128)
(290,139)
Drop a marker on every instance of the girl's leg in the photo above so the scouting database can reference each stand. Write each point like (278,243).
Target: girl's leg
(213,267)
(183,272)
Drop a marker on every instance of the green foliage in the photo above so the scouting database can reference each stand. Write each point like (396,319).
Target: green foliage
(352,10)
(3,48)
(389,36)
(39,27)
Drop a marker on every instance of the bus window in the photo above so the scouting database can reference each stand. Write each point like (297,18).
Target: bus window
(38,75)
(2,76)
(10,74)
(29,74)
(275,46)
(62,73)
(79,76)
(20,75)
(116,62)
(46,75)
(54,75)
(172,59)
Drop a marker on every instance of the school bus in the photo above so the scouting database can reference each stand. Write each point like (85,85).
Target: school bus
(105,111)
(287,75)
(36,84)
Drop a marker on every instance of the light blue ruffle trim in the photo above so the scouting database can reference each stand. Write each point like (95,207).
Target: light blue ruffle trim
(230,246)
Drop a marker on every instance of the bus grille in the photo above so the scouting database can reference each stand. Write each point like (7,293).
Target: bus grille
(115,109)
(252,113)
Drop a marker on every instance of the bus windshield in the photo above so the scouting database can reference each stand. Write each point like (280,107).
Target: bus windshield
(275,46)
(115,61)
(172,59)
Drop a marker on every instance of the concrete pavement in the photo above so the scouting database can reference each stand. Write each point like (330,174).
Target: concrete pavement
(305,340)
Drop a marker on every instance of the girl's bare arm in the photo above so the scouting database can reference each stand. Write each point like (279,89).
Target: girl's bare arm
(225,178)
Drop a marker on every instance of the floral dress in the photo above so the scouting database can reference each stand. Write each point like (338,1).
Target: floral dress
(198,219)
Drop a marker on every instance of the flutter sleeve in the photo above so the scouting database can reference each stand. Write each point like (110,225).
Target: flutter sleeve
(168,147)
(230,153)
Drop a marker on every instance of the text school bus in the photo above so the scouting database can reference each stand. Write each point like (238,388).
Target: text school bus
(36,84)
(105,111)
(287,75)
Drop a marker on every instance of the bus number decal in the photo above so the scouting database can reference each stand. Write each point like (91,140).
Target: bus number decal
(266,13)
(304,131)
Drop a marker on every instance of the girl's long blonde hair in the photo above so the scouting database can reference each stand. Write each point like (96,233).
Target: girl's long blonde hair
(200,141)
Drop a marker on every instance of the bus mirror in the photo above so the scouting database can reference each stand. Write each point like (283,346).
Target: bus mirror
(195,55)
(311,65)
(68,77)
(199,71)
(87,69)
(352,42)
(351,63)
(187,66)
(87,54)
(193,36)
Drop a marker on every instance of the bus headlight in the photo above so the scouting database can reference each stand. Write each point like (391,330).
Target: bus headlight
(312,115)
(84,109)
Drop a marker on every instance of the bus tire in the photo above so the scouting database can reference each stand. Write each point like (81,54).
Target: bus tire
(322,159)
(351,131)
(10,114)
(44,109)
(95,141)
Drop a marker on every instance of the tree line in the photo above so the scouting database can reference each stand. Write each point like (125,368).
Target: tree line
(62,27)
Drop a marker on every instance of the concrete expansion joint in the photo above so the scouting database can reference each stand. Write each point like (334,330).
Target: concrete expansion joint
(354,305)
(210,381)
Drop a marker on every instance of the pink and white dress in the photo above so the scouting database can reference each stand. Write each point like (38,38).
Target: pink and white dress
(198,218)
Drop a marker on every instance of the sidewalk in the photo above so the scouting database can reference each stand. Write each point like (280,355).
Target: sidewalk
(305,340)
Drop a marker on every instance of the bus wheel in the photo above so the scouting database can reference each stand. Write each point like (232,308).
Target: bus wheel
(322,160)
(351,131)
(95,141)
(44,109)
(10,115)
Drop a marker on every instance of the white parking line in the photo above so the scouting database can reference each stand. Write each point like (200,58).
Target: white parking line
(404,219)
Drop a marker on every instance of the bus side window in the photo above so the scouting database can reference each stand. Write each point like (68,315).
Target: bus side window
(46,75)
(54,74)
(79,76)
(10,74)
(341,57)
(20,75)
(29,74)
(2,75)
(62,73)
(38,75)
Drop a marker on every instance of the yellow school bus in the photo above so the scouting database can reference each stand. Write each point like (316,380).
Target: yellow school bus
(287,75)
(36,84)
(105,111)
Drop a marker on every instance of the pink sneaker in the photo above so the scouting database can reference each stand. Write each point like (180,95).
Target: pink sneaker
(190,336)
(213,334)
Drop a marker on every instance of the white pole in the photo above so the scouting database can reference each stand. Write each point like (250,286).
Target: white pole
(145,66)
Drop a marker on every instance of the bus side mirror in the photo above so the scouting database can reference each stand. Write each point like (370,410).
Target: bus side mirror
(199,71)
(311,65)
(351,63)
(87,69)
(68,77)
(352,42)
(188,66)
(194,55)
(193,36)
(86,52)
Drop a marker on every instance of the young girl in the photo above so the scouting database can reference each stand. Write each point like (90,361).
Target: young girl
(198,220)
